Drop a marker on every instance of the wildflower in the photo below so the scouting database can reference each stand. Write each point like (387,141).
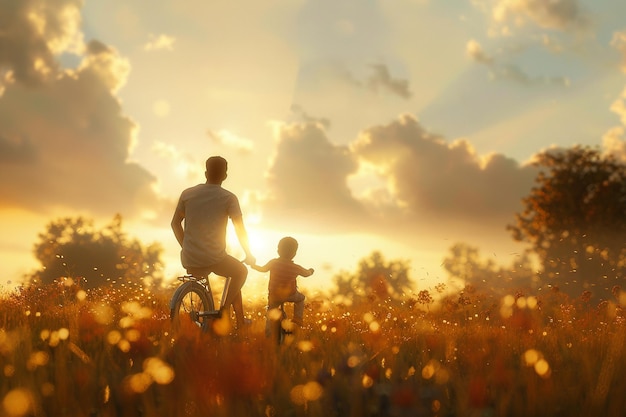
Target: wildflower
(586,296)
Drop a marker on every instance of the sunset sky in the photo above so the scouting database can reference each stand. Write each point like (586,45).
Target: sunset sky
(403,126)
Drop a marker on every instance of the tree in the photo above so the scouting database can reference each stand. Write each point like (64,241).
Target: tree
(575,220)
(464,263)
(74,248)
(375,278)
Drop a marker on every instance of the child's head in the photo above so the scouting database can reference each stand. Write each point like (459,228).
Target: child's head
(287,247)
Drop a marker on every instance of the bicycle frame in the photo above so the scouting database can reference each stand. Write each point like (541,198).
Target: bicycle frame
(207,285)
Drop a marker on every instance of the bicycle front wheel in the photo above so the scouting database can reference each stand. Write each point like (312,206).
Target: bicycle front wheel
(188,303)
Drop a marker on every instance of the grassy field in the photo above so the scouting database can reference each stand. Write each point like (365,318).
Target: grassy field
(66,352)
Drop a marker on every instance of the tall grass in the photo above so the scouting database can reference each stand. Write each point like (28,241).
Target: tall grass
(66,352)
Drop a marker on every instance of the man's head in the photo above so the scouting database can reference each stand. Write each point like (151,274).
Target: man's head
(216,168)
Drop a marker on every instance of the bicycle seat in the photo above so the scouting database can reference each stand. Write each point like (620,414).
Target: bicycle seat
(199,272)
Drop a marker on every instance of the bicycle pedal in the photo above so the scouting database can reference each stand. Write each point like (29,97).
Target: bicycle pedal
(212,314)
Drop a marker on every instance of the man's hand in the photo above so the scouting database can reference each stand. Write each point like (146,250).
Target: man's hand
(250,260)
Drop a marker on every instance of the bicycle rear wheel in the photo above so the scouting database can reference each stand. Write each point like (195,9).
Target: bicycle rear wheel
(188,302)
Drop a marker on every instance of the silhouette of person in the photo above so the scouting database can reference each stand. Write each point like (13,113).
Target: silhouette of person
(205,209)
(283,286)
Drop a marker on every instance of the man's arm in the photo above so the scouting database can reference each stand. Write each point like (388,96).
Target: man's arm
(242,236)
(177,225)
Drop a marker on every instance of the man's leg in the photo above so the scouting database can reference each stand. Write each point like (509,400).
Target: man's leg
(237,271)
(238,307)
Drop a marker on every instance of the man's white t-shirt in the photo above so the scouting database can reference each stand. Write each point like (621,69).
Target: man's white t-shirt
(207,208)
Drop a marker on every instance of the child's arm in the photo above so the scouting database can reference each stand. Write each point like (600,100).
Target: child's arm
(264,268)
(305,272)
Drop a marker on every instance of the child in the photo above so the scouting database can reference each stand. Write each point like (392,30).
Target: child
(283,273)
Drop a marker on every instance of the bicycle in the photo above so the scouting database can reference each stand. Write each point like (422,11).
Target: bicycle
(193,303)
(279,325)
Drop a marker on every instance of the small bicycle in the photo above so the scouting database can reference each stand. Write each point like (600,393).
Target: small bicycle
(193,303)
(279,325)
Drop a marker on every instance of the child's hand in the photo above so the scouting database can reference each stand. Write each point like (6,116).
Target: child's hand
(311,270)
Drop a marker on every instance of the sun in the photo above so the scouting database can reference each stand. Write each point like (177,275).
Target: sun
(263,243)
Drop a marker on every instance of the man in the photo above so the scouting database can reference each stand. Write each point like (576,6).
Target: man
(205,209)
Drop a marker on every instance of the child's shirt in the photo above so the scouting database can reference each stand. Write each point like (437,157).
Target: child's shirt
(283,274)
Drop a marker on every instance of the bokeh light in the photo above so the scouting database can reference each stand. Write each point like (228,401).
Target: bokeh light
(305,345)
(17,402)
(104,314)
(542,368)
(161,372)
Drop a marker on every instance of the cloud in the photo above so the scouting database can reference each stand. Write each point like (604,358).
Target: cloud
(382,79)
(303,116)
(160,43)
(33,32)
(619,42)
(104,65)
(614,143)
(505,71)
(619,107)
(428,176)
(475,51)
(424,181)
(614,140)
(65,140)
(379,80)
(231,140)
(515,73)
(307,179)
(553,14)
(185,164)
